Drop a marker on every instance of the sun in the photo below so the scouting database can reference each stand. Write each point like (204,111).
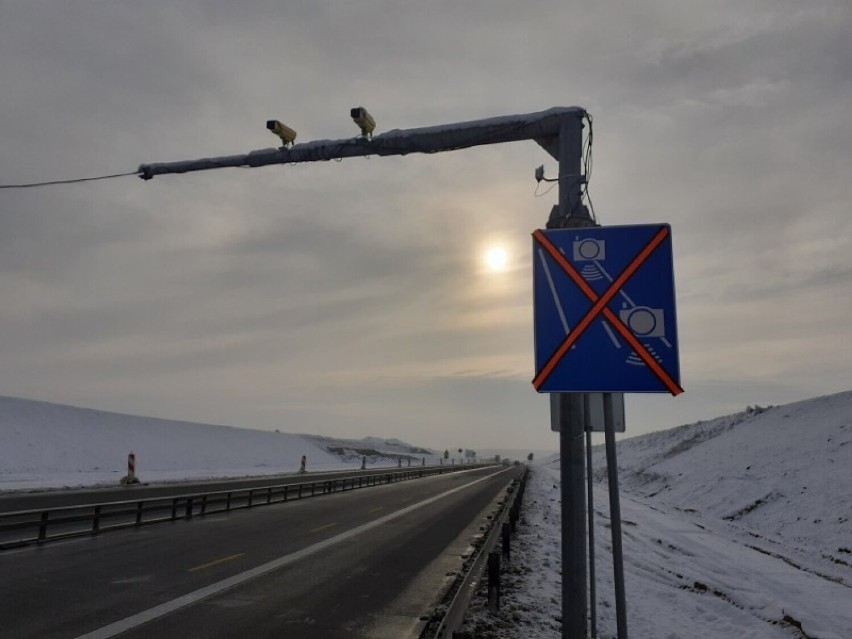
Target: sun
(496,259)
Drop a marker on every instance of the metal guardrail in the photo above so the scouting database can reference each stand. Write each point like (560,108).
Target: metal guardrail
(41,525)
(457,608)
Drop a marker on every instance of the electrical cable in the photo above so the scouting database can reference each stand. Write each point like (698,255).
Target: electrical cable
(552,186)
(74,181)
(586,155)
(587,160)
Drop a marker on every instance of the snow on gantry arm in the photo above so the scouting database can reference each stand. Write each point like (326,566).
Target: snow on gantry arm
(542,126)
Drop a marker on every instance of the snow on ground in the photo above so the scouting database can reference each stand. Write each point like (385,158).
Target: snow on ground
(733,528)
(45,445)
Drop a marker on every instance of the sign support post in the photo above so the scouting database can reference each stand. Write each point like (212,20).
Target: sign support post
(591,511)
(615,518)
(569,214)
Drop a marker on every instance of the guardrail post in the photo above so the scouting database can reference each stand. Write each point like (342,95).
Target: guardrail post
(204,504)
(42,528)
(96,520)
(139,506)
(228,502)
(189,508)
(506,533)
(269,495)
(174,508)
(494,581)
(251,498)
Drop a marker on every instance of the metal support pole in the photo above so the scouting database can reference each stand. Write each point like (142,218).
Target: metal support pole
(615,518)
(591,499)
(572,471)
(572,213)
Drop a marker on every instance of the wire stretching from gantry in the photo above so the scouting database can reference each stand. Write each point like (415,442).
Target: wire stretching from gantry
(31,185)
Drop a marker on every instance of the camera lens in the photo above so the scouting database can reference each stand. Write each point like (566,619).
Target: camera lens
(589,249)
(642,321)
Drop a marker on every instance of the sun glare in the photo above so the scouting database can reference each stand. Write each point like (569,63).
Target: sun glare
(497,259)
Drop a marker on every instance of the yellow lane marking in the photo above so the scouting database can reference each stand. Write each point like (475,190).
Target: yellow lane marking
(318,528)
(376,509)
(216,562)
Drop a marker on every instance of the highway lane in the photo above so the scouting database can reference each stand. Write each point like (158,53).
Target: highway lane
(374,584)
(23,500)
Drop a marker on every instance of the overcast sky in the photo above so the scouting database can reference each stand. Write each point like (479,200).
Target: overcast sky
(351,298)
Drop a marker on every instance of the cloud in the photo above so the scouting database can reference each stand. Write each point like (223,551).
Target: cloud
(350,296)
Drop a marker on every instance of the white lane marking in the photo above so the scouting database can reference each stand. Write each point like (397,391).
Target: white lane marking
(116,628)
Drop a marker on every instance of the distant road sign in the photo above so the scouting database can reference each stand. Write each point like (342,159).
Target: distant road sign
(605,310)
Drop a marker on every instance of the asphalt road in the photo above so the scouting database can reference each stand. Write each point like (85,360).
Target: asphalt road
(366,563)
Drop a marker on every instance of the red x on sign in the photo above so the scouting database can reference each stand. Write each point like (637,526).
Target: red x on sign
(600,307)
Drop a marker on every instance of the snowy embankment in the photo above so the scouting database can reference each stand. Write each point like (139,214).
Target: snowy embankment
(733,528)
(45,445)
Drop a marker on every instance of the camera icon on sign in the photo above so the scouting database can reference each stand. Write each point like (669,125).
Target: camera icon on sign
(589,249)
(644,321)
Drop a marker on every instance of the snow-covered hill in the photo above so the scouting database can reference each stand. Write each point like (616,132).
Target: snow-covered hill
(375,449)
(783,473)
(735,527)
(44,445)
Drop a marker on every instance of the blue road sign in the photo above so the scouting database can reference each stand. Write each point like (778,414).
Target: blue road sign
(605,310)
